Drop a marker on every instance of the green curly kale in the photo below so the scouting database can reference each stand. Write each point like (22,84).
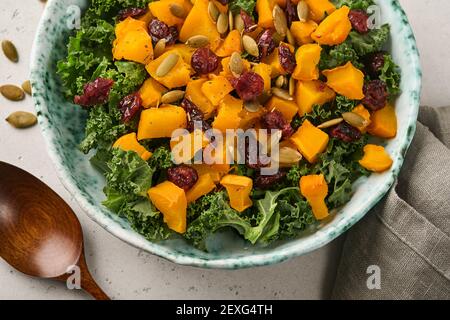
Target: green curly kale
(390,74)
(354,4)
(371,42)
(333,57)
(246,5)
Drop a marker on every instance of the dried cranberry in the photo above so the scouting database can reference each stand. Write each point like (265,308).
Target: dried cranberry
(275,120)
(345,132)
(291,12)
(249,23)
(183,176)
(254,158)
(204,61)
(194,115)
(374,63)
(376,95)
(359,19)
(266,182)
(249,86)
(131,12)
(130,106)
(266,44)
(95,92)
(159,30)
(224,2)
(287,59)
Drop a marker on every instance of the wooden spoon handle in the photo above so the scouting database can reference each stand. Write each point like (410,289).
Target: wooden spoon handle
(88,283)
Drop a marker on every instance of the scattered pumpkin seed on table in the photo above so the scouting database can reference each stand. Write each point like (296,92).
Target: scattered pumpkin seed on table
(21,119)
(10,51)
(26,86)
(12,92)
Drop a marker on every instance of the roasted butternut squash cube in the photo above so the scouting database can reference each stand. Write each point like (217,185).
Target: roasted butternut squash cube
(384,123)
(161,10)
(204,185)
(363,112)
(215,172)
(129,142)
(151,92)
(185,147)
(228,116)
(265,16)
(346,80)
(216,89)
(302,31)
(178,76)
(132,42)
(307,58)
(375,158)
(310,141)
(238,189)
(183,50)
(334,29)
(318,9)
(310,93)
(315,189)
(161,122)
(171,201)
(232,43)
(265,71)
(195,94)
(288,108)
(250,119)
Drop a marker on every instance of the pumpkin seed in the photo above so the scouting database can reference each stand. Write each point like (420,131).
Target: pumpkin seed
(288,157)
(213,11)
(11,92)
(21,119)
(10,51)
(252,106)
(330,123)
(280,81)
(238,23)
(291,86)
(230,20)
(290,38)
(279,20)
(26,86)
(177,10)
(172,96)
(302,11)
(198,41)
(160,47)
(283,94)
(354,119)
(236,65)
(168,63)
(222,23)
(250,45)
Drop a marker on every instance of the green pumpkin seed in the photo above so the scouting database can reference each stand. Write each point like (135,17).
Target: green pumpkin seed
(291,86)
(12,92)
(26,86)
(222,23)
(302,11)
(330,123)
(238,23)
(213,11)
(250,45)
(230,20)
(280,81)
(10,51)
(354,119)
(279,20)
(159,49)
(172,96)
(166,66)
(236,64)
(288,157)
(290,38)
(252,106)
(21,119)
(177,10)
(282,94)
(198,41)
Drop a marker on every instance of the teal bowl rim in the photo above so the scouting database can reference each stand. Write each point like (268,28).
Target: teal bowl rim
(276,256)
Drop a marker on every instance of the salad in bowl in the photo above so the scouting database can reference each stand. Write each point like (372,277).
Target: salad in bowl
(252,116)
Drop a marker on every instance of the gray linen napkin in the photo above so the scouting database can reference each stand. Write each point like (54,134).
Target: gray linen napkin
(401,249)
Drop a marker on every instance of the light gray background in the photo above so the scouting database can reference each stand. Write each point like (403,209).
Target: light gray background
(127,273)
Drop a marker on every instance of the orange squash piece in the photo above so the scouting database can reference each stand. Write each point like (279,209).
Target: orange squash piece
(265,71)
(215,172)
(151,92)
(315,189)
(310,141)
(204,185)
(307,58)
(274,61)
(384,123)
(265,16)
(238,189)
(178,76)
(161,122)
(363,112)
(161,10)
(318,9)
(216,89)
(228,115)
(375,159)
(185,147)
(334,29)
(195,94)
(232,43)
(183,50)
(129,142)
(288,108)
(171,201)
(250,119)
(310,93)
(346,80)
(302,31)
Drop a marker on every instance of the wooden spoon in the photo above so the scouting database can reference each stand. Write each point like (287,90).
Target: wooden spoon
(39,233)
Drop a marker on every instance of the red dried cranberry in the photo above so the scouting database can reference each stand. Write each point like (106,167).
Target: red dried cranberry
(131,12)
(249,86)
(291,12)
(254,158)
(159,30)
(359,19)
(249,23)
(374,63)
(95,93)
(345,132)
(287,59)
(194,115)
(376,95)
(204,61)
(224,2)
(275,120)
(267,182)
(265,42)
(130,106)
(183,176)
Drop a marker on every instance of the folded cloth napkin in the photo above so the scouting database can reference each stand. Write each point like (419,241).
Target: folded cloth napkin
(401,249)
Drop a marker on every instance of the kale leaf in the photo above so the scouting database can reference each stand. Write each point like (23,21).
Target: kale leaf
(390,74)
(354,4)
(246,5)
(371,42)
